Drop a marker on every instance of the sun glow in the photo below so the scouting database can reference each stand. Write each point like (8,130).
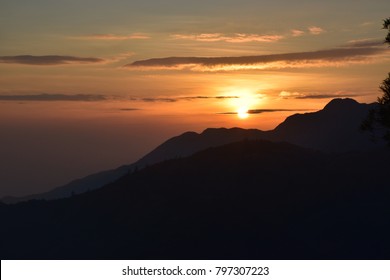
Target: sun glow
(242,113)
(246,101)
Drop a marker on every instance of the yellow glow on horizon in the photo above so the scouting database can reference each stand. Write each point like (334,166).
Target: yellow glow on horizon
(242,113)
(247,100)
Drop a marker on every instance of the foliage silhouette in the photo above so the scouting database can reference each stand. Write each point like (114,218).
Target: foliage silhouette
(386,25)
(381,115)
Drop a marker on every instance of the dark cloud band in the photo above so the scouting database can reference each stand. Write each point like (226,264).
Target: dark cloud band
(298,95)
(48,59)
(53,97)
(96,97)
(331,55)
(175,99)
(261,111)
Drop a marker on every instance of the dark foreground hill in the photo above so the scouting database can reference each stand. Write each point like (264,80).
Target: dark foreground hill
(245,200)
(335,128)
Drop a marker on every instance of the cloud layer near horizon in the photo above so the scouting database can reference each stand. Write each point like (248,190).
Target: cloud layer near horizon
(48,59)
(53,97)
(299,95)
(175,99)
(329,57)
(98,97)
(236,38)
(260,111)
(113,37)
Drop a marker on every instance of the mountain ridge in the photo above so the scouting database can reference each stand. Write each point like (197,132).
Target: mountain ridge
(335,128)
(252,199)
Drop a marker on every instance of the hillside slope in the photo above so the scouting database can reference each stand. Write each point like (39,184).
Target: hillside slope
(245,200)
(335,128)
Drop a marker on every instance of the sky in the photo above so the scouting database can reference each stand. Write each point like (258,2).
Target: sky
(90,85)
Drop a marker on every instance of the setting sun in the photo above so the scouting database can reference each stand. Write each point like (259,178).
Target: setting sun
(160,129)
(242,113)
(246,100)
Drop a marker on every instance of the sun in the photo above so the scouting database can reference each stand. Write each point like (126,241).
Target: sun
(245,101)
(242,113)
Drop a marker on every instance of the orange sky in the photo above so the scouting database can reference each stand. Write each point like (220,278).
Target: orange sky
(131,74)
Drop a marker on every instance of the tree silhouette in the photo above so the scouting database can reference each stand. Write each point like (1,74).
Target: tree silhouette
(386,25)
(381,115)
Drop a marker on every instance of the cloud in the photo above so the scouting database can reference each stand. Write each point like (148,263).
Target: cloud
(261,111)
(365,43)
(97,97)
(315,30)
(297,33)
(154,99)
(287,94)
(129,109)
(236,38)
(367,23)
(114,37)
(322,58)
(298,95)
(53,97)
(209,97)
(204,37)
(175,99)
(48,59)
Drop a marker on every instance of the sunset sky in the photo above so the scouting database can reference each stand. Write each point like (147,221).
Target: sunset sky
(90,85)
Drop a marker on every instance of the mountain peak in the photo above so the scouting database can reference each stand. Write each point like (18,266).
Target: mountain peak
(341,103)
(333,129)
(214,130)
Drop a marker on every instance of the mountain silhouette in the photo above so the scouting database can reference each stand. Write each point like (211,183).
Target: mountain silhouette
(252,199)
(78,186)
(335,128)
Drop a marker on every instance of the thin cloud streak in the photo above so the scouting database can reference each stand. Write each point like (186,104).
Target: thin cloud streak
(176,99)
(298,95)
(154,99)
(315,30)
(261,111)
(367,23)
(297,33)
(48,60)
(113,37)
(129,109)
(321,58)
(209,97)
(97,97)
(365,43)
(236,38)
(53,97)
